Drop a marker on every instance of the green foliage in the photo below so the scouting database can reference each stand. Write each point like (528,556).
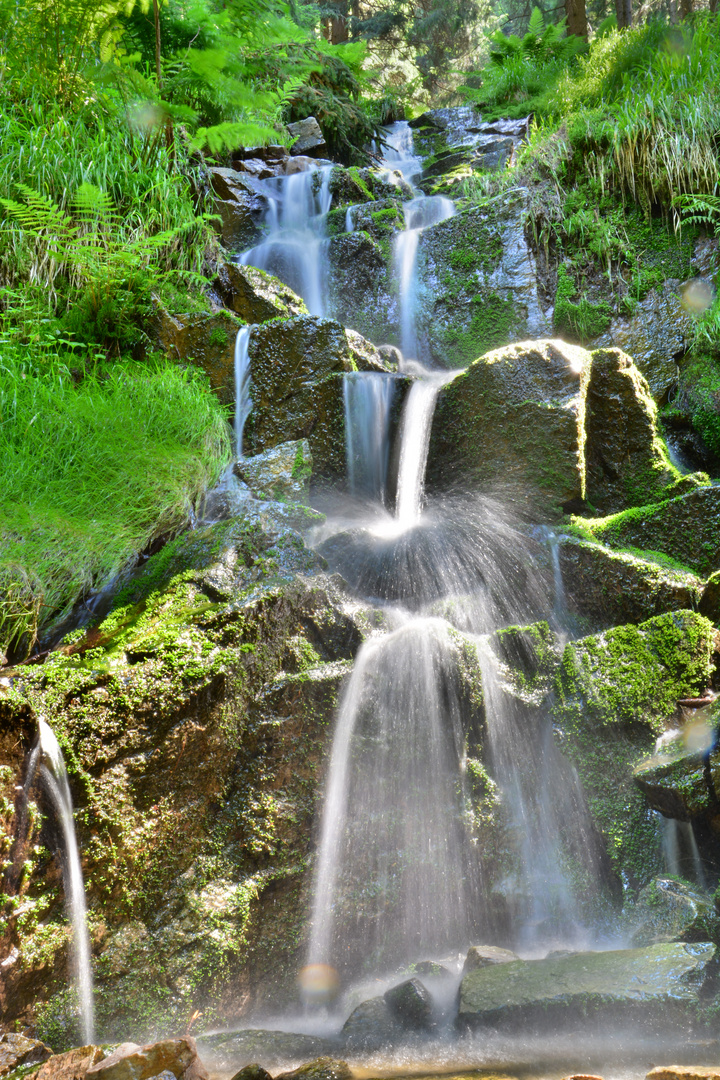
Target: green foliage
(581,320)
(92,474)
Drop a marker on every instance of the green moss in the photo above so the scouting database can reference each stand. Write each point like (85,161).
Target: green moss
(491,325)
(581,321)
(700,391)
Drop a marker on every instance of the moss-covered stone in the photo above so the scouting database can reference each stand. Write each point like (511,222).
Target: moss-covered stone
(204,340)
(671,910)
(361,292)
(615,692)
(686,528)
(256,296)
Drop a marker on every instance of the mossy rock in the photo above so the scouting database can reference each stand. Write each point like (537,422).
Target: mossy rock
(362,293)
(206,341)
(616,587)
(615,692)
(671,910)
(686,528)
(699,397)
(256,296)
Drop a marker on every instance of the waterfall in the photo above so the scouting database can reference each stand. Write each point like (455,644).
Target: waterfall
(390,879)
(420,214)
(294,247)
(415,443)
(55,782)
(368,398)
(243,401)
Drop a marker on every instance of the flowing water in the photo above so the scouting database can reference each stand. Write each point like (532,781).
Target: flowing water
(420,214)
(294,247)
(243,401)
(368,398)
(54,779)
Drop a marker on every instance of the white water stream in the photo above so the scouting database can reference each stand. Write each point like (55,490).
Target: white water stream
(243,400)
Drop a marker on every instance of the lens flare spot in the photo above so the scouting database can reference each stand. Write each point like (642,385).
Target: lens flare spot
(318,983)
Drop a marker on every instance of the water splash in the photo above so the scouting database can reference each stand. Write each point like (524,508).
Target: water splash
(294,248)
(243,401)
(55,782)
(368,398)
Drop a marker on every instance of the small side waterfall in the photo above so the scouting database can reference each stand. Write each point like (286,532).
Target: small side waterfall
(293,247)
(54,779)
(243,401)
(681,852)
(368,398)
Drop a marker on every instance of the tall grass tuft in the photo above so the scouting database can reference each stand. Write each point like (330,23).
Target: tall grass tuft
(92,473)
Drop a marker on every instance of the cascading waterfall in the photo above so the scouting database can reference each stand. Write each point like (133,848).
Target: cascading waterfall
(415,443)
(420,214)
(293,249)
(368,398)
(390,879)
(243,401)
(53,775)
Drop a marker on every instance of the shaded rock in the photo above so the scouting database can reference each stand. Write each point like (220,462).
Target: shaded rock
(678,780)
(272,153)
(685,528)
(361,292)
(659,986)
(206,341)
(281,473)
(480,956)
(513,422)
(411,1003)
(308,137)
(323,1068)
(228,1050)
(625,461)
(132,1062)
(256,296)
(618,587)
(669,910)
(297,371)
(615,692)
(657,333)
(72,1065)
(241,208)
(710,600)
(371,1026)
(252,1072)
(477,283)
(18,1051)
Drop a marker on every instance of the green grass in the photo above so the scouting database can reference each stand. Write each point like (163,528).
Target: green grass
(93,471)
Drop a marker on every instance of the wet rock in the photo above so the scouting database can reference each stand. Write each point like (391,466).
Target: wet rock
(371,1026)
(659,986)
(618,587)
(206,341)
(256,296)
(132,1062)
(297,371)
(480,956)
(282,473)
(411,1003)
(676,781)
(656,334)
(625,462)
(228,1050)
(686,528)
(323,1068)
(669,910)
(73,1065)
(270,154)
(308,137)
(512,422)
(361,293)
(615,692)
(431,969)
(18,1051)
(364,354)
(477,283)
(710,600)
(252,1072)
(684,1072)
(241,208)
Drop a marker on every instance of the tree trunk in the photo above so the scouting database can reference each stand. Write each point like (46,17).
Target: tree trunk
(623,11)
(576,18)
(339,30)
(686,8)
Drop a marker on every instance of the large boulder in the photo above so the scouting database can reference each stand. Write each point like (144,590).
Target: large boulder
(204,340)
(361,290)
(615,693)
(244,1049)
(659,986)
(297,368)
(308,139)
(477,283)
(18,1051)
(411,1003)
(72,1065)
(618,587)
(512,423)
(256,296)
(481,956)
(686,528)
(322,1068)
(626,463)
(371,1026)
(132,1062)
(240,206)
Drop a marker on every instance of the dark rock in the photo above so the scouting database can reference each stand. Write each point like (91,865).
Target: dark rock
(617,587)
(361,291)
(625,462)
(241,208)
(273,152)
(371,1026)
(480,956)
(254,295)
(323,1068)
(17,1051)
(132,1062)
(308,137)
(252,1072)
(710,600)
(72,1065)
(659,986)
(411,1003)
(431,969)
(674,780)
